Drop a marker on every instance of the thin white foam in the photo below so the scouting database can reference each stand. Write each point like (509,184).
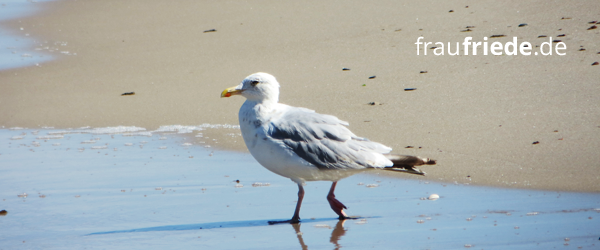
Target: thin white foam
(136,131)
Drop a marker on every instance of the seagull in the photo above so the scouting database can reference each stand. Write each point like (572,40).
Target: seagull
(303,145)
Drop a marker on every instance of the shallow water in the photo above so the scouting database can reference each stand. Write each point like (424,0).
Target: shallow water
(17,46)
(87,189)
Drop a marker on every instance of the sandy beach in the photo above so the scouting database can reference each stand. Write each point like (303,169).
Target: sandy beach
(507,121)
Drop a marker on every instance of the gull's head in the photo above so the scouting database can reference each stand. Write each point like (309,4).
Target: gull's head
(257,87)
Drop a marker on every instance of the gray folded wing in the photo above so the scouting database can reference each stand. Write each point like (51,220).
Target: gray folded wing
(325,141)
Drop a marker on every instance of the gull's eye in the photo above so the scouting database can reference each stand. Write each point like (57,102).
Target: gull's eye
(253,83)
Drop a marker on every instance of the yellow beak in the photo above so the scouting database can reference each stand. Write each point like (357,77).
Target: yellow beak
(231,91)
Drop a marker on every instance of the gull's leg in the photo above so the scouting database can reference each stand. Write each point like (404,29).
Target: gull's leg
(336,205)
(296,218)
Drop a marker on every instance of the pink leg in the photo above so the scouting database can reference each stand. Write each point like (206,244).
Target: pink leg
(296,218)
(336,205)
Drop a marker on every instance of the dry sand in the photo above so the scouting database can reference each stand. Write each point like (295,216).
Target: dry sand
(477,115)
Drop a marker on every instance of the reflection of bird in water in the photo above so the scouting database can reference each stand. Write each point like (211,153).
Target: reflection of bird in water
(336,234)
(296,227)
(302,145)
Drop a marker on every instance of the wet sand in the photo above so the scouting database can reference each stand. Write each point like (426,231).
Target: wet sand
(101,188)
(477,115)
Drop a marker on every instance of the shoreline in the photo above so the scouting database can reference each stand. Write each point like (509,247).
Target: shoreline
(18,47)
(478,116)
(225,139)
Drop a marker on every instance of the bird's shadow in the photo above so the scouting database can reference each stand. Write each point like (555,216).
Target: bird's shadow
(209,225)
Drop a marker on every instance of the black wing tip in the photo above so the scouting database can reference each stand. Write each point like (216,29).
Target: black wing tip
(427,161)
(406,169)
(408,163)
(409,160)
